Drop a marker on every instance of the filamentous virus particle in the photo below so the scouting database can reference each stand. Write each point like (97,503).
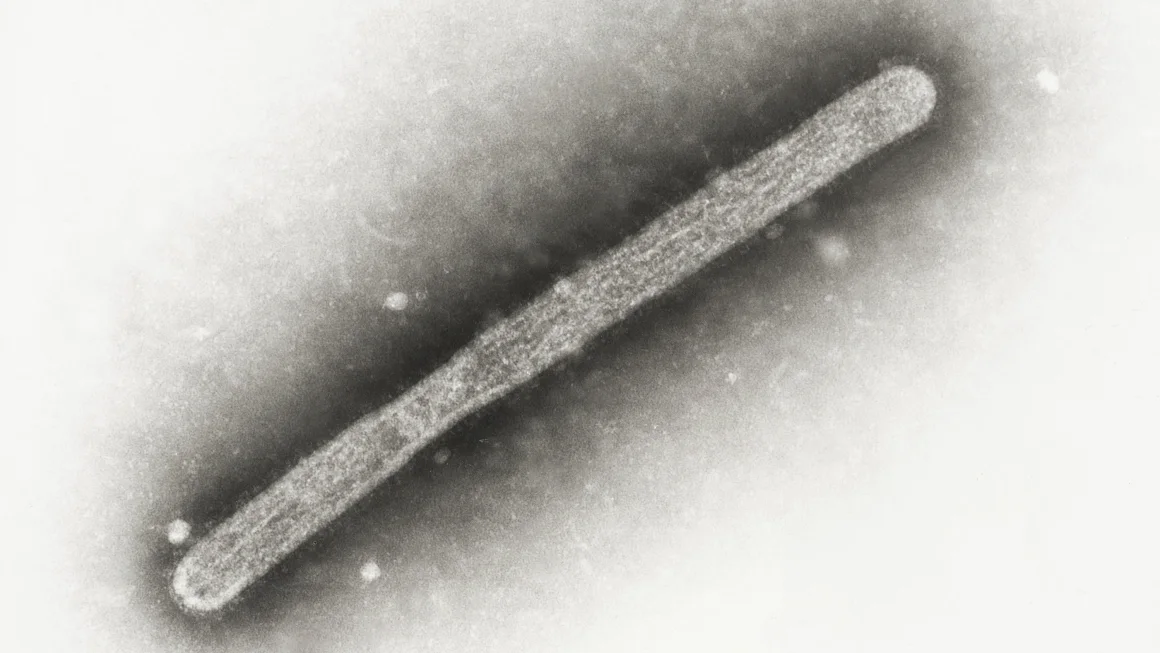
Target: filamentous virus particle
(733,207)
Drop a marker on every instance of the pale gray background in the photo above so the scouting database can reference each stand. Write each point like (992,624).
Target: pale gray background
(941,440)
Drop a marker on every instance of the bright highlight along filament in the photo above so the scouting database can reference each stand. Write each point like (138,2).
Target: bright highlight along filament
(732,208)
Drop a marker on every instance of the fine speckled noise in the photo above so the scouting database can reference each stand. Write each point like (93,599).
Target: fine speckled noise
(730,209)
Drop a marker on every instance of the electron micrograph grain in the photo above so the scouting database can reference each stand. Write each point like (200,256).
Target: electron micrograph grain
(732,208)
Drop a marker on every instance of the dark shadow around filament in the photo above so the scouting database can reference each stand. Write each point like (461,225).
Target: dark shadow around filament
(729,210)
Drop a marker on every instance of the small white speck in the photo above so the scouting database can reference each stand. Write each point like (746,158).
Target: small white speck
(396,301)
(177,532)
(731,378)
(199,333)
(442,456)
(774,230)
(832,249)
(1048,81)
(370,571)
(828,298)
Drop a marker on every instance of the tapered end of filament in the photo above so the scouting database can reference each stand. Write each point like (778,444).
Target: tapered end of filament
(912,95)
(196,596)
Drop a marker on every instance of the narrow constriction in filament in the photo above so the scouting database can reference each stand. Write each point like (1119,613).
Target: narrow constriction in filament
(730,209)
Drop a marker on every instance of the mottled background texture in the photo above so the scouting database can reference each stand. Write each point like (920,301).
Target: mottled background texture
(921,417)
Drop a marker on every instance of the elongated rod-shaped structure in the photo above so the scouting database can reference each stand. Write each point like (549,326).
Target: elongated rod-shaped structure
(728,210)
